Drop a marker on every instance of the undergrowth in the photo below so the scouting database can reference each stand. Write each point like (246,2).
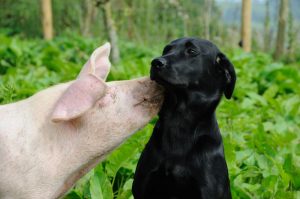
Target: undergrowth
(260,125)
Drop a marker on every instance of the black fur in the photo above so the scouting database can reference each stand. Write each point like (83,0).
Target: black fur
(184,157)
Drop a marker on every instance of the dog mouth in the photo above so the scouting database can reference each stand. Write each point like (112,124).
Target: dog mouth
(165,82)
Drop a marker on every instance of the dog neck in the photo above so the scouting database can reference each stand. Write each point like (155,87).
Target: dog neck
(195,103)
(188,117)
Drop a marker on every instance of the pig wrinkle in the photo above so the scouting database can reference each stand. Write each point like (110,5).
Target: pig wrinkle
(77,175)
(109,98)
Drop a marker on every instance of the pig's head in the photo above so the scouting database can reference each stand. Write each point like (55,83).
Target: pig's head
(127,105)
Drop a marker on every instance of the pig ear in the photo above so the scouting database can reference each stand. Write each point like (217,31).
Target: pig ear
(98,63)
(81,96)
(87,89)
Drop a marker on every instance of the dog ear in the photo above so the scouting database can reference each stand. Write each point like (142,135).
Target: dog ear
(226,66)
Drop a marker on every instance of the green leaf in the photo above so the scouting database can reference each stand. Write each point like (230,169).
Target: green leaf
(259,99)
(120,158)
(126,191)
(271,92)
(73,195)
(95,188)
(100,186)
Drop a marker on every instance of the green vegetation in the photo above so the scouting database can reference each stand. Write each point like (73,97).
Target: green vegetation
(260,126)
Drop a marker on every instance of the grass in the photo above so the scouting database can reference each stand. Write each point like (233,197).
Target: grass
(260,125)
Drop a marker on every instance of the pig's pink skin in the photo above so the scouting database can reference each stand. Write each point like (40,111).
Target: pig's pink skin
(43,159)
(79,97)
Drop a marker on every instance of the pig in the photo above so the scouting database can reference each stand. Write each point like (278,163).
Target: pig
(50,140)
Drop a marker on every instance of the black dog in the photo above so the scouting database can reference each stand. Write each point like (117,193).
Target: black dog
(184,158)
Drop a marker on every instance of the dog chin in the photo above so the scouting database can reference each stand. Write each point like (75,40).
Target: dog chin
(166,83)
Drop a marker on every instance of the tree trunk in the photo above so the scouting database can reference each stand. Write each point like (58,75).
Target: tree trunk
(283,16)
(267,30)
(246,25)
(207,16)
(111,32)
(88,18)
(292,41)
(47,19)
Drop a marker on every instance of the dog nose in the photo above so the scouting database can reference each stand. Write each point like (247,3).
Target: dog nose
(159,63)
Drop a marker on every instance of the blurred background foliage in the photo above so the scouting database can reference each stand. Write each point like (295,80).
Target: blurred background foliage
(260,125)
(155,21)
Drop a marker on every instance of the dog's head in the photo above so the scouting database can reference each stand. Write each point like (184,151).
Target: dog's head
(191,63)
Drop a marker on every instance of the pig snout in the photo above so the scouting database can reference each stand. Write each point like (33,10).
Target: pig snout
(148,94)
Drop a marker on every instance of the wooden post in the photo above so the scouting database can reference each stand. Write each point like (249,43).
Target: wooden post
(208,6)
(246,25)
(90,12)
(283,16)
(111,31)
(47,19)
(267,32)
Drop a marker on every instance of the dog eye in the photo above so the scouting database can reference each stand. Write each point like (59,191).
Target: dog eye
(167,49)
(191,51)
